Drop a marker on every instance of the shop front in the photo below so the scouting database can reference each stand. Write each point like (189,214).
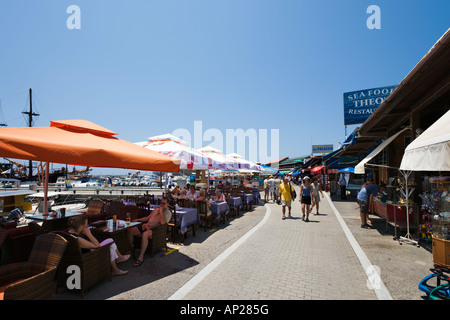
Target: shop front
(383,140)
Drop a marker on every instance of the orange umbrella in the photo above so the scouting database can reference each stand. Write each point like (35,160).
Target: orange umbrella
(80,142)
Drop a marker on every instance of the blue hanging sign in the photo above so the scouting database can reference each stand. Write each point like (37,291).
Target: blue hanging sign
(359,105)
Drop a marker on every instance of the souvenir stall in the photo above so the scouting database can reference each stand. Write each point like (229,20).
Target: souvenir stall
(430,152)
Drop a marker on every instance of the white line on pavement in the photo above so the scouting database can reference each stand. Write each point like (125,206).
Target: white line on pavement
(188,286)
(380,289)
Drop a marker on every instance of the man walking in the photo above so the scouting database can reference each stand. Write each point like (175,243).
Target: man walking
(285,191)
(266,190)
(343,185)
(277,184)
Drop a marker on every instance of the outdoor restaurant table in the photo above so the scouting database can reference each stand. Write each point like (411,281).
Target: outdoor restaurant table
(54,220)
(218,208)
(248,198)
(187,217)
(256,195)
(236,202)
(117,232)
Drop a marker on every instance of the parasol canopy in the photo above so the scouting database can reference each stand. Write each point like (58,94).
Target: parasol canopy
(79,142)
(242,163)
(176,148)
(216,155)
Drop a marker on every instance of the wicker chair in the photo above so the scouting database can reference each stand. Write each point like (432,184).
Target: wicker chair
(204,214)
(95,265)
(36,228)
(144,209)
(95,210)
(16,244)
(158,241)
(134,210)
(113,208)
(33,279)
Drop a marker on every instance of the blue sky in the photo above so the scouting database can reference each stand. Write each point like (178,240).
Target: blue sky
(144,67)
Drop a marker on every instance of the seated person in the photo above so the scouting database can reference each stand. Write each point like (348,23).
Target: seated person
(158,217)
(183,195)
(176,191)
(202,197)
(78,228)
(219,196)
(192,194)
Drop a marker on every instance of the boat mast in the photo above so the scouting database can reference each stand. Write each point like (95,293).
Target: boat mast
(30,124)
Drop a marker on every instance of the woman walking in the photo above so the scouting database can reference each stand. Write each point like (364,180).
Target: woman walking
(306,190)
(317,186)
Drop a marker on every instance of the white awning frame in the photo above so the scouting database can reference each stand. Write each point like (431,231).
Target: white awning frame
(360,167)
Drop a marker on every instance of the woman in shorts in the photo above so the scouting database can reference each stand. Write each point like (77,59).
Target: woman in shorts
(316,194)
(306,191)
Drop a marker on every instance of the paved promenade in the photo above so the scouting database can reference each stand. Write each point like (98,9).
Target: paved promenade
(287,260)
(260,256)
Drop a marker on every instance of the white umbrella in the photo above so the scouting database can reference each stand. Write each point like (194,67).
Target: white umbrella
(243,163)
(176,148)
(216,155)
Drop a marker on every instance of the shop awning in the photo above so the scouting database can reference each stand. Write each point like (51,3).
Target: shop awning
(431,150)
(316,169)
(360,167)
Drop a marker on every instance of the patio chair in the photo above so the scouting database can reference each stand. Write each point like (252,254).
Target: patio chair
(233,211)
(172,225)
(204,214)
(134,210)
(144,209)
(37,229)
(95,265)
(33,279)
(113,208)
(16,244)
(94,211)
(158,241)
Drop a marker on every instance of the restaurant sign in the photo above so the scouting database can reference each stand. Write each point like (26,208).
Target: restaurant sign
(359,105)
(323,148)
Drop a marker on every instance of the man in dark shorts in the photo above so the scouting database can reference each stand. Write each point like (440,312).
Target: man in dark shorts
(306,191)
(364,198)
(159,216)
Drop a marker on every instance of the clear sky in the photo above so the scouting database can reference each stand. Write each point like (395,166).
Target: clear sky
(145,67)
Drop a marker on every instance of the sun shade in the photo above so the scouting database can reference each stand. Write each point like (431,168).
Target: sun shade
(80,142)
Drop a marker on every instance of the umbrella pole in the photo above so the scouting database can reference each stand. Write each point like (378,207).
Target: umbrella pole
(45,183)
(407,238)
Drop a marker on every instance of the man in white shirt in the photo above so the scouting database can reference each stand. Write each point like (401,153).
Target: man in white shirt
(272,188)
